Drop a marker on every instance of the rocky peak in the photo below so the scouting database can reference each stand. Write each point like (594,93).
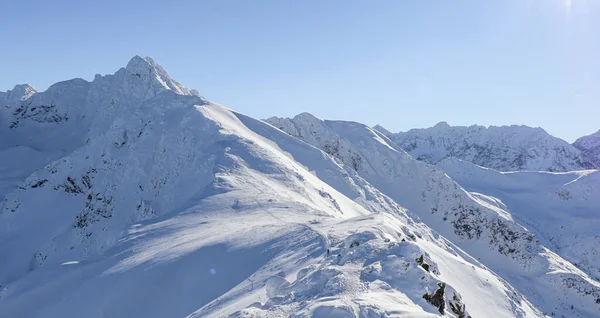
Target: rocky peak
(20,92)
(151,73)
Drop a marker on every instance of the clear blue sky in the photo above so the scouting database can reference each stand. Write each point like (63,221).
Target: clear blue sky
(401,63)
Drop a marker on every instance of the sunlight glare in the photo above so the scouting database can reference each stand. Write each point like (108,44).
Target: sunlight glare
(568,6)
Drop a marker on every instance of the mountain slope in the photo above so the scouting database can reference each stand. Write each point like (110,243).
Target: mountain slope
(485,231)
(563,209)
(590,146)
(505,148)
(155,202)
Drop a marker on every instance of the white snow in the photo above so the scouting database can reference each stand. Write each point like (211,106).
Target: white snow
(132,196)
(476,223)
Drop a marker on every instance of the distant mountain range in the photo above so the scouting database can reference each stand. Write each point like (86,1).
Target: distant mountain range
(505,148)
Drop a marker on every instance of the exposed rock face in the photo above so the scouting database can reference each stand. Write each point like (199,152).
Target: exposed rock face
(437,298)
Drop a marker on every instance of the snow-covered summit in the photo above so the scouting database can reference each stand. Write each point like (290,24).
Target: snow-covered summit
(19,92)
(154,74)
(139,73)
(504,148)
(590,146)
(442,125)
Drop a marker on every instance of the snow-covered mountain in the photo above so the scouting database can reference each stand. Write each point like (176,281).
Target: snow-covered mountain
(590,146)
(485,231)
(505,148)
(133,196)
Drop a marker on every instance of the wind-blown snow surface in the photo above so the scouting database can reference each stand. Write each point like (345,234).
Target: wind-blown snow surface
(505,148)
(146,200)
(483,230)
(590,146)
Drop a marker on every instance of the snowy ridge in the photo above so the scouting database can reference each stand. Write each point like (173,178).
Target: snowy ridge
(505,148)
(590,146)
(150,185)
(144,199)
(481,229)
(104,219)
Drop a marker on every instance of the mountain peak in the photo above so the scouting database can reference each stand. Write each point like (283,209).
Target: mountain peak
(137,60)
(307,116)
(382,130)
(142,63)
(442,125)
(152,73)
(24,87)
(20,92)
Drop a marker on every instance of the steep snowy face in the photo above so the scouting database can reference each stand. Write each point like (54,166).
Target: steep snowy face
(505,148)
(590,146)
(485,230)
(562,209)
